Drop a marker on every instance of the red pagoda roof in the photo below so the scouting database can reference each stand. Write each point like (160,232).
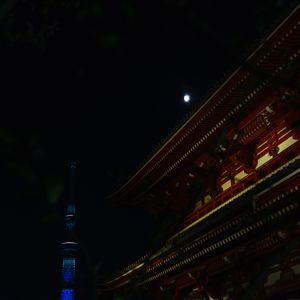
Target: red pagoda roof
(249,87)
(234,166)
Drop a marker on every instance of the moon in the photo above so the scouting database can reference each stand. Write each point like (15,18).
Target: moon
(186,98)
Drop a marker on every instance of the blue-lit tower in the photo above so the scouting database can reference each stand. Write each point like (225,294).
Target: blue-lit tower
(69,246)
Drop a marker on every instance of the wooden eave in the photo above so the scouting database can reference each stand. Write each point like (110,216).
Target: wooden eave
(243,89)
(248,226)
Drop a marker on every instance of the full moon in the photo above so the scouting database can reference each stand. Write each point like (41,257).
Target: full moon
(186,98)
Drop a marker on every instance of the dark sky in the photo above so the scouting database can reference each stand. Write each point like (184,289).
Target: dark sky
(100,82)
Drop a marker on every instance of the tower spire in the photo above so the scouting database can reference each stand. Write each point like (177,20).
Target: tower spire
(69,246)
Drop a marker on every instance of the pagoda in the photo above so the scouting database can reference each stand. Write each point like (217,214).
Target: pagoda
(232,171)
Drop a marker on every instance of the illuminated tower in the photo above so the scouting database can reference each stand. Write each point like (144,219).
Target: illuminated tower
(69,246)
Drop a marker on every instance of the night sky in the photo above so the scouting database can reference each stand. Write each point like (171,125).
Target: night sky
(101,82)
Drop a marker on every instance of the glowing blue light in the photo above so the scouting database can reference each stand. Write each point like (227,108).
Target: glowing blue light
(68,271)
(71,209)
(70,222)
(186,98)
(68,276)
(67,294)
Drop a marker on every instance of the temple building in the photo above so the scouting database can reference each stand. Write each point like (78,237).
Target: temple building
(231,172)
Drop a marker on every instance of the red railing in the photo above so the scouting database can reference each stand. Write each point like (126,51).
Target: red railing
(250,179)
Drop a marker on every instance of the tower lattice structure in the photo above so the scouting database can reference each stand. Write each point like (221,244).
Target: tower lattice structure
(70,245)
